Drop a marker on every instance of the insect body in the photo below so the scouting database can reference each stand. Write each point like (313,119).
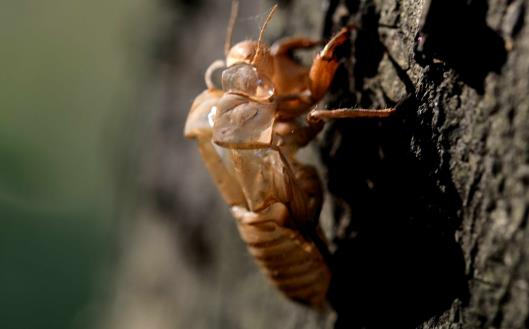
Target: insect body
(248,131)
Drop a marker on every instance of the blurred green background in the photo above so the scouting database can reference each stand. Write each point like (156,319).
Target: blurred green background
(70,85)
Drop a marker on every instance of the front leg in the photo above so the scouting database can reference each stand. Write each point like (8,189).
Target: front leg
(325,65)
(321,73)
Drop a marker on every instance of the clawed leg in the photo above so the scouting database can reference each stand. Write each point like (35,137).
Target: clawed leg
(325,65)
(290,77)
(316,115)
(321,73)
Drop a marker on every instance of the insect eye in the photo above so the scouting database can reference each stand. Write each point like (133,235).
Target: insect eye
(244,79)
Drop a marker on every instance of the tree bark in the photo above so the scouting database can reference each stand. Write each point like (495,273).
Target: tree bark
(429,209)
(435,201)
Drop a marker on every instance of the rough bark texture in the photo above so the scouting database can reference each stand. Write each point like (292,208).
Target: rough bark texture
(433,203)
(429,208)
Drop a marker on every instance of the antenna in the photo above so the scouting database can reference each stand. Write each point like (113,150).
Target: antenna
(231,24)
(260,40)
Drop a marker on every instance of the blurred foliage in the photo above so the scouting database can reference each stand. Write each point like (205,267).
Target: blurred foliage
(70,85)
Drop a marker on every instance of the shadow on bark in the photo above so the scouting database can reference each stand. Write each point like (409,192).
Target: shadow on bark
(457,33)
(398,263)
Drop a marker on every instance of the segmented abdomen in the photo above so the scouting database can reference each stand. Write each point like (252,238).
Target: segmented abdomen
(291,262)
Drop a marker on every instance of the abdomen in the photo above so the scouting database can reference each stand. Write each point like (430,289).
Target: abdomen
(291,262)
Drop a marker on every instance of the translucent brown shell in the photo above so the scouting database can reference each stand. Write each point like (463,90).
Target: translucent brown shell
(248,134)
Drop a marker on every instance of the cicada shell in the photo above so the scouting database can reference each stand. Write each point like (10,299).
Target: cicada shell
(248,130)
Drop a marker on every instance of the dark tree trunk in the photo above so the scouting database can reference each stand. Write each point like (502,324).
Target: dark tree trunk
(429,208)
(434,202)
